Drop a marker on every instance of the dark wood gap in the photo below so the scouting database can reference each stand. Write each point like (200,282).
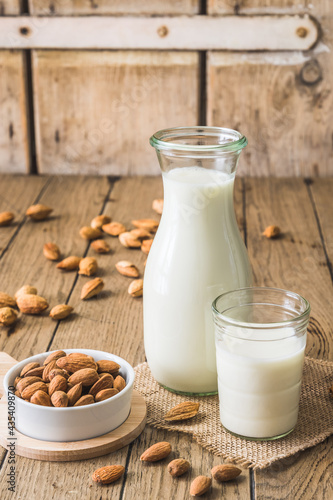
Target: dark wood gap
(24,7)
(128,456)
(244,210)
(202,88)
(30,112)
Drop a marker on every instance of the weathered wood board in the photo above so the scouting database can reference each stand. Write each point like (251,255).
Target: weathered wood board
(9,7)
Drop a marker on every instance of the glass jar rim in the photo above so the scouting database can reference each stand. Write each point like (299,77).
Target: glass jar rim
(236,142)
(298,320)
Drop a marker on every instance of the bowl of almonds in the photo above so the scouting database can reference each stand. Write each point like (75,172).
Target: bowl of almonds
(70,394)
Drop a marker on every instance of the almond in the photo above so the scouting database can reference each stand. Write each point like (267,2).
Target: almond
(225,472)
(57,371)
(178,467)
(18,394)
(200,485)
(135,288)
(51,251)
(107,366)
(105,394)
(92,288)
(8,316)
(104,382)
(6,218)
(31,304)
(108,474)
(28,367)
(54,356)
(32,388)
(88,266)
(59,399)
(158,205)
(58,383)
(76,361)
(119,383)
(74,394)
(128,240)
(70,263)
(150,225)
(114,228)
(41,398)
(87,376)
(89,233)
(156,452)
(39,212)
(85,400)
(272,232)
(47,370)
(146,246)
(25,382)
(127,268)
(16,381)
(100,246)
(6,300)
(35,372)
(99,221)
(182,411)
(141,234)
(26,290)
(61,311)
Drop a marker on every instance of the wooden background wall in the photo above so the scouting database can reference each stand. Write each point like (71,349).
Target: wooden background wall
(93,111)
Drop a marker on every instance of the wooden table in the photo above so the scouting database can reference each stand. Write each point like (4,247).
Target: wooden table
(301,261)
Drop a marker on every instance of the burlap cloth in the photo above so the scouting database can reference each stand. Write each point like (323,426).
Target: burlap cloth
(315,421)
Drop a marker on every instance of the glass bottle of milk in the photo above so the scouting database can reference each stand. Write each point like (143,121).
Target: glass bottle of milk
(197,254)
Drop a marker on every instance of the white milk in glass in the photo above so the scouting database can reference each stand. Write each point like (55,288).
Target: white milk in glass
(197,254)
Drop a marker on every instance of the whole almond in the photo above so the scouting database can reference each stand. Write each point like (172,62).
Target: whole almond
(41,398)
(61,311)
(92,288)
(25,382)
(104,382)
(105,394)
(32,388)
(39,212)
(100,246)
(6,300)
(26,290)
(89,233)
(57,371)
(18,394)
(108,474)
(140,234)
(31,304)
(107,366)
(74,394)
(88,266)
(146,246)
(225,472)
(127,268)
(59,399)
(87,376)
(16,381)
(85,400)
(35,372)
(47,370)
(53,356)
(156,452)
(119,383)
(6,218)
(158,205)
(8,316)
(150,225)
(99,221)
(58,383)
(128,240)
(51,251)
(135,288)
(200,485)
(76,361)
(182,411)
(272,232)
(114,228)
(178,467)
(70,263)
(28,367)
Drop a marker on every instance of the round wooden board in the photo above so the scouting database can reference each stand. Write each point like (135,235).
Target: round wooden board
(77,450)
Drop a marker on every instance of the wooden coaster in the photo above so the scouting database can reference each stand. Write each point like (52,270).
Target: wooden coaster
(75,450)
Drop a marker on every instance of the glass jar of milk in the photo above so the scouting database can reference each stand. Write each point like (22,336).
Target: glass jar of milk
(260,343)
(197,254)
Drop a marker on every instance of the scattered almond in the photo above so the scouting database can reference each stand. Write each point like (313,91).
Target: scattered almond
(200,485)
(108,474)
(61,311)
(39,212)
(32,388)
(70,263)
(8,316)
(146,245)
(51,251)
(54,356)
(107,366)
(158,205)
(272,232)
(89,233)
(104,382)
(128,240)
(92,288)
(41,398)
(6,300)
(178,467)
(135,288)
(59,399)
(182,411)
(119,383)
(88,266)
(76,361)
(225,472)
(105,394)
(100,246)
(156,452)
(100,221)
(85,400)
(31,304)
(114,228)
(26,290)
(28,367)
(141,234)
(74,394)
(6,218)
(87,376)
(127,268)
(58,383)
(150,225)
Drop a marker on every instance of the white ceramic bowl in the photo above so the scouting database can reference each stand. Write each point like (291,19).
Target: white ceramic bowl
(72,424)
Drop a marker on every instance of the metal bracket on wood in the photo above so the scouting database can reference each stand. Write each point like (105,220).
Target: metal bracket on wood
(267,32)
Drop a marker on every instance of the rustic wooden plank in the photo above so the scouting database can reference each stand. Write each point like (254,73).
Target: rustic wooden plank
(14,148)
(254,6)
(100,134)
(103,7)
(9,7)
(271,32)
(322,193)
